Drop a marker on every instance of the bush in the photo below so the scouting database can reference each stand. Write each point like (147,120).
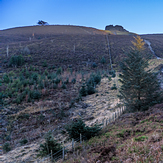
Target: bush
(73,81)
(35,76)
(63,86)
(114,87)
(6,78)
(6,147)
(57,81)
(49,145)
(44,64)
(94,65)
(16,60)
(103,61)
(35,94)
(76,128)
(90,90)
(24,141)
(83,91)
(54,86)
(59,71)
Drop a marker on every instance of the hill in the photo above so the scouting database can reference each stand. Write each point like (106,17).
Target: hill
(42,75)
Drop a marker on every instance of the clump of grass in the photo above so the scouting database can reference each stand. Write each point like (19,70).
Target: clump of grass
(141,138)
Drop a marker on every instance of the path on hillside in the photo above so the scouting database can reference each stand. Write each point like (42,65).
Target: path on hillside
(160,77)
(150,48)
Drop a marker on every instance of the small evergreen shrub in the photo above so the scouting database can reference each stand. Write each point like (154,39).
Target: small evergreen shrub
(6,147)
(46,72)
(114,87)
(103,61)
(49,145)
(63,86)
(44,64)
(94,65)
(16,60)
(73,81)
(57,81)
(59,71)
(76,128)
(35,94)
(109,78)
(90,90)
(24,141)
(83,91)
(54,86)
(6,78)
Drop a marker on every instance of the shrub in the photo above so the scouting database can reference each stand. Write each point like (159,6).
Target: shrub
(76,128)
(94,79)
(103,61)
(59,71)
(63,86)
(94,65)
(54,86)
(57,81)
(40,85)
(114,87)
(35,94)
(49,145)
(35,76)
(16,60)
(24,141)
(67,81)
(6,147)
(6,78)
(83,91)
(73,81)
(46,72)
(44,64)
(90,90)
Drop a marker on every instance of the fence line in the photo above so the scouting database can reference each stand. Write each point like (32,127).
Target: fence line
(62,153)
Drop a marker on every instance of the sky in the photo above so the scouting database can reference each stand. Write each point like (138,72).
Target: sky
(139,16)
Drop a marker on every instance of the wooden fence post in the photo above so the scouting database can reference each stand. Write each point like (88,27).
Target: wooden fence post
(72,144)
(80,138)
(63,153)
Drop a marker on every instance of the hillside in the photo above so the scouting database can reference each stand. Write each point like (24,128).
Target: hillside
(134,137)
(43,73)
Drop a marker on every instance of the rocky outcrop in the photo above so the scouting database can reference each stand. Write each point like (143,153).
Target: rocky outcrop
(116,27)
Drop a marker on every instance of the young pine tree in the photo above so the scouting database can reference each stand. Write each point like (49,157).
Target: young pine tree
(140,87)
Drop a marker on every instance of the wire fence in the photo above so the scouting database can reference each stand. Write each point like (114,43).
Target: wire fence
(63,153)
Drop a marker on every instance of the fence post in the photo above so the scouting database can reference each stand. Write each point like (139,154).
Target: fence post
(63,152)
(7,49)
(103,122)
(80,138)
(72,144)
(51,155)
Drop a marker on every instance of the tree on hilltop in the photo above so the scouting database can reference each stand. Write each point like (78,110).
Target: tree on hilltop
(41,22)
(140,86)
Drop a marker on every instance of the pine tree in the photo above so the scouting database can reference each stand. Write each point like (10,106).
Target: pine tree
(140,87)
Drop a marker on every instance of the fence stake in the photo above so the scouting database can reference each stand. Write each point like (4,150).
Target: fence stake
(80,138)
(63,152)
(72,144)
(103,122)
(51,155)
